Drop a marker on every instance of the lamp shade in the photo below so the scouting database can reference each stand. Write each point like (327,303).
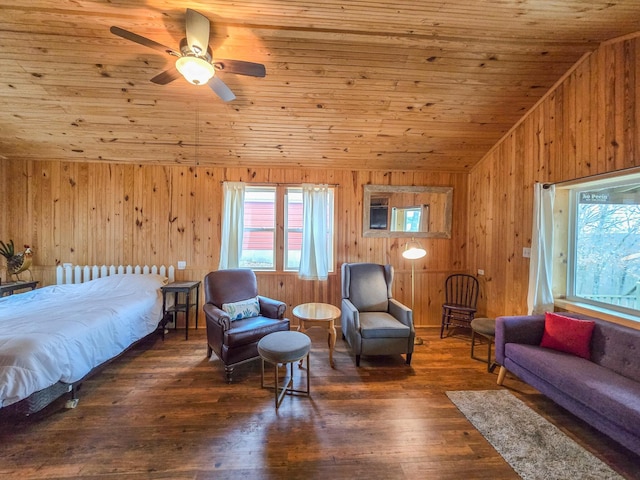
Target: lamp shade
(413,250)
(195,69)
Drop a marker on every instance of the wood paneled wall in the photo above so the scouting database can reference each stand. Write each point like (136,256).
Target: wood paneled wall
(124,213)
(587,125)
(89,213)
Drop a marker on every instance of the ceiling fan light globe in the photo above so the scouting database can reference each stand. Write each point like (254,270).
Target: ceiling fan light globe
(195,70)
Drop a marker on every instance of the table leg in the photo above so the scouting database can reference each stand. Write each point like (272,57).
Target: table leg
(301,329)
(332,342)
(175,312)
(197,304)
(186,315)
(164,314)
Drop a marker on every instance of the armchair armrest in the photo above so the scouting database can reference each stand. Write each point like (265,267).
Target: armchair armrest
(527,329)
(401,312)
(271,308)
(218,317)
(349,315)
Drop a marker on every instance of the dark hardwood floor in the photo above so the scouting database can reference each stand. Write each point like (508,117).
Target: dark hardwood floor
(163,411)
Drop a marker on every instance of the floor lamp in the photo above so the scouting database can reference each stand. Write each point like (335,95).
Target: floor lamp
(413,251)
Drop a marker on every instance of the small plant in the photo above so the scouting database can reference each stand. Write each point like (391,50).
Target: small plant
(7,250)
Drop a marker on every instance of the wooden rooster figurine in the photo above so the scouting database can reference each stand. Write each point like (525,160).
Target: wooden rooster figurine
(16,262)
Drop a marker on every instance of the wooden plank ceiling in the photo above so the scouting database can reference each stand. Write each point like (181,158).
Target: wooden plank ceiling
(408,84)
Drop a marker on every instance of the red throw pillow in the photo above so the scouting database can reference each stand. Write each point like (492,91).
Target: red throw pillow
(566,334)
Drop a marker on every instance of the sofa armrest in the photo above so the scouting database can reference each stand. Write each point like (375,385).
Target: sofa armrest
(526,329)
(401,312)
(272,308)
(216,316)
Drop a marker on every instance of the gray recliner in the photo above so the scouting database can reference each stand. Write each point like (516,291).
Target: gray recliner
(374,323)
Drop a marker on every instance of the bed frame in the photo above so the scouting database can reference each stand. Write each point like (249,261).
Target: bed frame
(67,274)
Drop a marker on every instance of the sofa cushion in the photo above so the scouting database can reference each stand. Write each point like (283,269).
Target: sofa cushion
(382,325)
(567,334)
(616,347)
(242,309)
(611,395)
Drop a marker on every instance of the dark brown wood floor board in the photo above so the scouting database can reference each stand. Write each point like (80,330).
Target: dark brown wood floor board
(164,411)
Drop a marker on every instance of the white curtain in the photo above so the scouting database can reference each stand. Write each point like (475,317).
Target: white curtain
(232,225)
(314,264)
(540,297)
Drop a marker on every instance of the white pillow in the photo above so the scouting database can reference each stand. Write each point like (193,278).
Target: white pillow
(242,309)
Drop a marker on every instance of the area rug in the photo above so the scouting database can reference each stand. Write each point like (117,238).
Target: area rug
(533,447)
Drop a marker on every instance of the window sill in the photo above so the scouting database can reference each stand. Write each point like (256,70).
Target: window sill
(287,272)
(599,312)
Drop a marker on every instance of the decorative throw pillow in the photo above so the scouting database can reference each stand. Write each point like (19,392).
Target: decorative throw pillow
(566,334)
(242,309)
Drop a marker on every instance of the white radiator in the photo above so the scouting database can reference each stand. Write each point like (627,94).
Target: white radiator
(68,273)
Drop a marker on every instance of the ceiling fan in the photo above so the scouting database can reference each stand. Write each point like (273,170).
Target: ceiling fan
(195,60)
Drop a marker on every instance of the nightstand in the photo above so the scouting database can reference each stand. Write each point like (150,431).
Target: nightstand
(182,302)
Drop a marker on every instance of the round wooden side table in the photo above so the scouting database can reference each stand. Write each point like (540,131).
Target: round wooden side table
(319,315)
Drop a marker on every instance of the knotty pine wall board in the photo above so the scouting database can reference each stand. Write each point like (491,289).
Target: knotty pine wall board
(114,213)
(587,125)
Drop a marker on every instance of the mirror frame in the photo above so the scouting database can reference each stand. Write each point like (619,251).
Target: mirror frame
(367,231)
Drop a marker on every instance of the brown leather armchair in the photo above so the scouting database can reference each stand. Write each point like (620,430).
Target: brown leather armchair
(236,342)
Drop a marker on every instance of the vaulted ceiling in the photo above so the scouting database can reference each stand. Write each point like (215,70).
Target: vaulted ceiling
(404,84)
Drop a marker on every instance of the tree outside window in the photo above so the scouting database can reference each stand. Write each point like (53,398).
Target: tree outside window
(606,260)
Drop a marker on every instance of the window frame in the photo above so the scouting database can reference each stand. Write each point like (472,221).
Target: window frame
(287,229)
(274,229)
(281,228)
(566,227)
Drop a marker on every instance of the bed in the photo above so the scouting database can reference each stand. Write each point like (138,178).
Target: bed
(54,337)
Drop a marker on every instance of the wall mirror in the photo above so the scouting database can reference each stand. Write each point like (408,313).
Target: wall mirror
(391,211)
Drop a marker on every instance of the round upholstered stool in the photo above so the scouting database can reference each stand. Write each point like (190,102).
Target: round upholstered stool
(485,327)
(284,348)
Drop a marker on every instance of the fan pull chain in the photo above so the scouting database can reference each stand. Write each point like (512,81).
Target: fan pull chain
(197,137)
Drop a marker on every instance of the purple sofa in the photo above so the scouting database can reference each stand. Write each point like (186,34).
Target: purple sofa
(604,392)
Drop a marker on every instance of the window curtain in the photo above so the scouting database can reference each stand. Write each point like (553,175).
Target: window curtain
(314,264)
(232,225)
(540,296)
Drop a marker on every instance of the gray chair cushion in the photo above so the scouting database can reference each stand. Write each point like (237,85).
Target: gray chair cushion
(284,347)
(367,285)
(484,326)
(382,325)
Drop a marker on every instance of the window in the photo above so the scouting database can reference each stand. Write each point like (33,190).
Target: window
(258,241)
(410,219)
(604,245)
(267,207)
(293,228)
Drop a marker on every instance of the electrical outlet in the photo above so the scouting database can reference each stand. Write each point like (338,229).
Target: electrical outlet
(480,271)
(526,252)
(182,264)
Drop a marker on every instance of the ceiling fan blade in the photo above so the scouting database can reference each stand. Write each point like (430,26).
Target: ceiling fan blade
(220,88)
(134,37)
(241,67)
(197,32)
(166,77)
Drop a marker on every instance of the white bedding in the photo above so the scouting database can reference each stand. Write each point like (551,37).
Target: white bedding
(61,332)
